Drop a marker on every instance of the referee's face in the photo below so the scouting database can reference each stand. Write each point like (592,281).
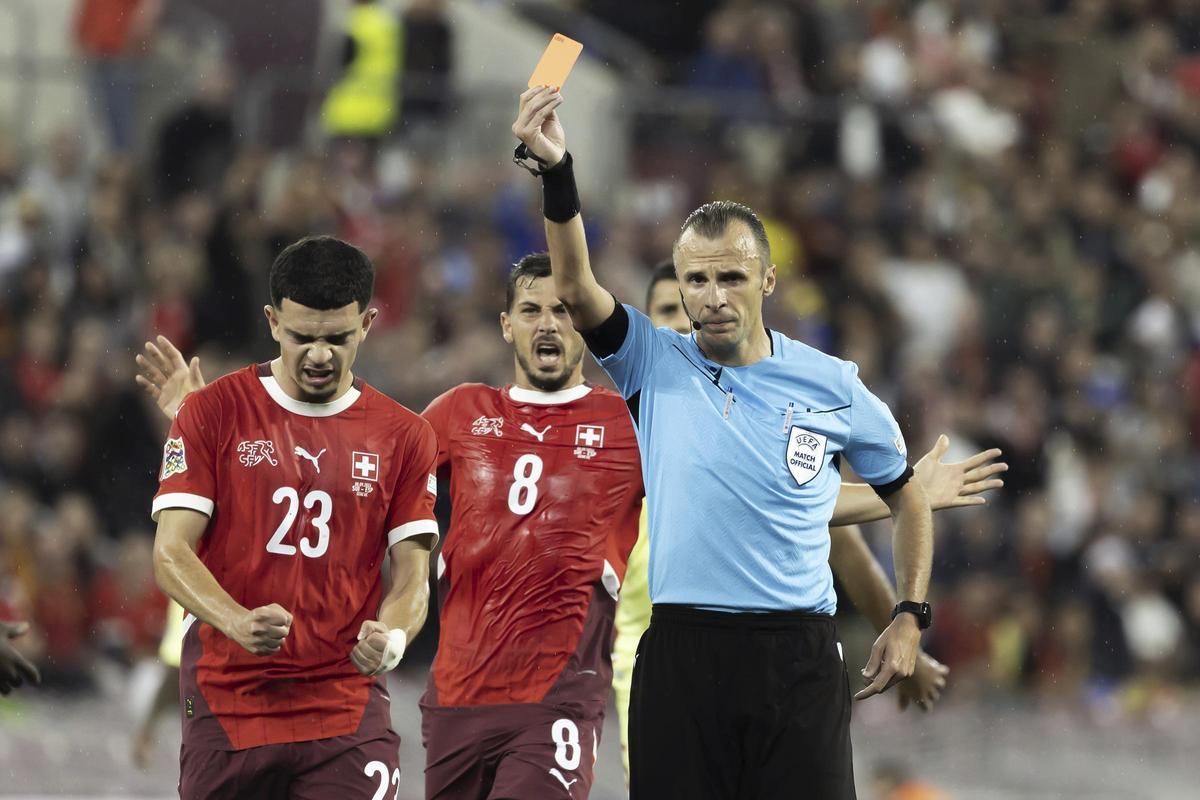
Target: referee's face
(723,284)
(548,349)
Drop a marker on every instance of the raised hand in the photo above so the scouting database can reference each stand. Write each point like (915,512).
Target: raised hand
(538,126)
(958,484)
(166,377)
(925,685)
(262,630)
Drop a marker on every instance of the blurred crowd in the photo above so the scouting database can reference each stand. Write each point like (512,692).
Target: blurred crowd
(992,207)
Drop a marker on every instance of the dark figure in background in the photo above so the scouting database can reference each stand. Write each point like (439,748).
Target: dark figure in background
(196,144)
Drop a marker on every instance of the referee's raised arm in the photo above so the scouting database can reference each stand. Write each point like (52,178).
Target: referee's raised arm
(543,151)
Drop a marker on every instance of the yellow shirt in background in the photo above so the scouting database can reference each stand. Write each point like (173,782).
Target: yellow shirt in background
(633,617)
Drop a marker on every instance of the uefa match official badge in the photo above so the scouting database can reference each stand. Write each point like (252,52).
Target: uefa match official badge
(174,458)
(805,454)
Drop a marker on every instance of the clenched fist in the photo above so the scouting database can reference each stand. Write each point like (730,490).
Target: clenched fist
(379,649)
(262,630)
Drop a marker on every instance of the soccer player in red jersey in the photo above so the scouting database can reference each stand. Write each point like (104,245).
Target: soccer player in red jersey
(283,487)
(546,491)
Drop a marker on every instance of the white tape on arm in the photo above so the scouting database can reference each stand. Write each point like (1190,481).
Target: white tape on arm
(397,640)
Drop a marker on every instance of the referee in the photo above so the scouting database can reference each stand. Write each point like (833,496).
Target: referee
(739,688)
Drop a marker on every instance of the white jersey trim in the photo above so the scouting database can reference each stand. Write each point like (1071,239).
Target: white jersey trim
(537,398)
(308,409)
(411,529)
(181,500)
(610,580)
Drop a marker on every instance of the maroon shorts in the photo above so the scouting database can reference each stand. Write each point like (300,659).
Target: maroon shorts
(339,768)
(509,752)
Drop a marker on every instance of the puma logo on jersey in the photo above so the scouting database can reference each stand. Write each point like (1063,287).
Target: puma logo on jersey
(541,436)
(300,451)
(563,780)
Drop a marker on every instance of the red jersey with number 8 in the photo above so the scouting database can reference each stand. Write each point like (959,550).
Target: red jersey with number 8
(303,499)
(546,491)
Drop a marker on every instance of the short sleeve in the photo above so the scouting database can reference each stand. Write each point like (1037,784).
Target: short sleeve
(876,448)
(187,477)
(413,496)
(631,365)
(438,414)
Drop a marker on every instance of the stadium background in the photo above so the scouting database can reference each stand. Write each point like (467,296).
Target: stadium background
(993,207)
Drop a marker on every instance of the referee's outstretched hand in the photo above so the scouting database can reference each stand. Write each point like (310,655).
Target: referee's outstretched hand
(893,657)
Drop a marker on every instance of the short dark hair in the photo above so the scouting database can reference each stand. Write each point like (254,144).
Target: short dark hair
(663,271)
(324,273)
(711,219)
(532,266)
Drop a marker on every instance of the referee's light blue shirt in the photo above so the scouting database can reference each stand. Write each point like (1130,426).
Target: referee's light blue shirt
(737,466)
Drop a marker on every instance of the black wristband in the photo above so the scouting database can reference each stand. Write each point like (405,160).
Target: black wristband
(608,337)
(885,490)
(560,197)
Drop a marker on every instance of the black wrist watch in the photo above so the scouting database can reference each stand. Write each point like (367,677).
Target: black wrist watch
(921,611)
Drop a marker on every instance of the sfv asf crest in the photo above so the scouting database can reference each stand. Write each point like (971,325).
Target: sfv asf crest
(805,454)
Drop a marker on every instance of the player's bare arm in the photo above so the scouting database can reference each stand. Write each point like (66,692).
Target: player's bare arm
(182,575)
(15,669)
(894,655)
(541,131)
(955,485)
(382,642)
(166,377)
(871,591)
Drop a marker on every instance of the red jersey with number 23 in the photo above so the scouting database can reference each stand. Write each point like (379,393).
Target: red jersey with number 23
(304,500)
(546,491)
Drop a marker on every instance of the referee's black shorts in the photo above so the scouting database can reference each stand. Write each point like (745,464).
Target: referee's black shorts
(739,707)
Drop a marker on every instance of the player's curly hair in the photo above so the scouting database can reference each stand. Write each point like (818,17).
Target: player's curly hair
(532,266)
(324,273)
(711,219)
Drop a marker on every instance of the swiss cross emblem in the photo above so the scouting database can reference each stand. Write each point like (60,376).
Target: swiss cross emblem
(365,466)
(589,436)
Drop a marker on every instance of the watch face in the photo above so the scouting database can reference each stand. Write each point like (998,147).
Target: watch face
(922,611)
